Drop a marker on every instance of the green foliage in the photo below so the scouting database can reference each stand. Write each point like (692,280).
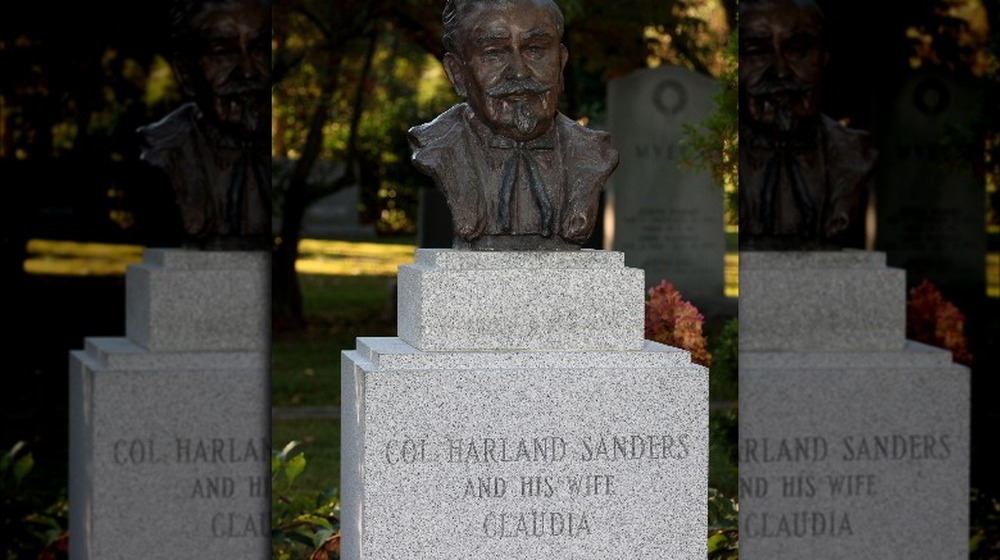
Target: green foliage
(303,525)
(376,80)
(80,83)
(984,540)
(30,521)
(714,145)
(724,424)
(723,526)
(724,374)
(723,453)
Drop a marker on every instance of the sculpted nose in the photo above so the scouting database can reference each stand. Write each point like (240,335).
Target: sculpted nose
(247,68)
(780,66)
(516,68)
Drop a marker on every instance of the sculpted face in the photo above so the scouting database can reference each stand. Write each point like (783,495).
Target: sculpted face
(509,66)
(781,64)
(229,74)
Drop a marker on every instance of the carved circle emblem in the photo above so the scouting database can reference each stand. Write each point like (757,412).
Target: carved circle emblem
(669,97)
(931,96)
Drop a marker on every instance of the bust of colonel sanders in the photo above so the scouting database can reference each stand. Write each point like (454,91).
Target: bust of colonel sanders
(803,177)
(215,148)
(516,173)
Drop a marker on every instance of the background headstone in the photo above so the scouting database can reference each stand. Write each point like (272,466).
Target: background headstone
(930,204)
(336,216)
(666,221)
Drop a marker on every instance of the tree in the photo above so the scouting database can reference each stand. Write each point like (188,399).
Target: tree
(714,144)
(332,60)
(75,85)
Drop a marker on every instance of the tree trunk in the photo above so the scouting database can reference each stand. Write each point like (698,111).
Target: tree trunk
(286,294)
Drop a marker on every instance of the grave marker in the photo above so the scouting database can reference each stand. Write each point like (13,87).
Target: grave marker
(667,221)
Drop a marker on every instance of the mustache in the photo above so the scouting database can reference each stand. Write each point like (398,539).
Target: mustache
(241,86)
(517,86)
(774,87)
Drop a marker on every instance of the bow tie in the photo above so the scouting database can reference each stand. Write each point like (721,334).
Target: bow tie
(248,172)
(800,192)
(521,154)
(540,143)
(803,141)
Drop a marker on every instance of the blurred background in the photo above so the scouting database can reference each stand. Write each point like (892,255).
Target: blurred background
(350,77)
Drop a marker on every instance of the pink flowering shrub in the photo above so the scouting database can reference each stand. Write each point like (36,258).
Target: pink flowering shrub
(933,320)
(675,322)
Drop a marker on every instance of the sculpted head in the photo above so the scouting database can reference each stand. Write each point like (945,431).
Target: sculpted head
(782,56)
(506,58)
(222,59)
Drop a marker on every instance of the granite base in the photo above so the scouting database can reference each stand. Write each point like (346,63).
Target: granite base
(169,448)
(528,455)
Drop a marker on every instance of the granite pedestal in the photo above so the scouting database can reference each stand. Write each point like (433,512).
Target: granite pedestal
(520,414)
(854,442)
(169,426)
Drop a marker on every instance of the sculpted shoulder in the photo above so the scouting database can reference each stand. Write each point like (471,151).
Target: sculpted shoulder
(441,128)
(434,142)
(851,148)
(586,146)
(168,134)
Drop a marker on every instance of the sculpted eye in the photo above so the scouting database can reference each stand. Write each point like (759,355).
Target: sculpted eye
(754,50)
(799,47)
(222,50)
(493,53)
(536,51)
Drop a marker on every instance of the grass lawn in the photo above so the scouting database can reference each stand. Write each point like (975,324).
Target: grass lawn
(319,440)
(305,366)
(346,291)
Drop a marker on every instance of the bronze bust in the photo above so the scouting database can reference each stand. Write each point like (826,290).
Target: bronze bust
(215,148)
(803,177)
(516,173)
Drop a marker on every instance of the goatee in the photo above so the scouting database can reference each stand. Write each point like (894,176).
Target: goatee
(524,119)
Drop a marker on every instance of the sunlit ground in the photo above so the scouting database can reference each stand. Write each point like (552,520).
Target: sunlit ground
(352,258)
(70,258)
(732,274)
(343,258)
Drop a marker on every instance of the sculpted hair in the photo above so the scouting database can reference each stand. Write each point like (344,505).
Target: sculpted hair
(808,5)
(182,38)
(456,10)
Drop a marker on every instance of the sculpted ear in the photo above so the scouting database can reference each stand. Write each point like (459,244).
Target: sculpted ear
(453,67)
(563,57)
